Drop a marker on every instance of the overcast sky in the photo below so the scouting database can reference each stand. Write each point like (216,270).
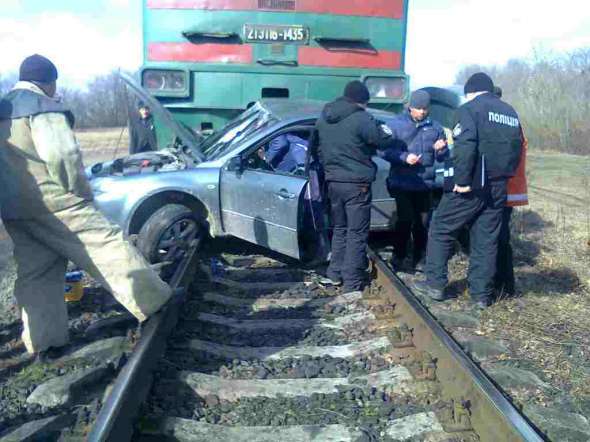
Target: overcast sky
(90,37)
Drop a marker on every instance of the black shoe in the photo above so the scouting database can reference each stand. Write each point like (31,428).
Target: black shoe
(399,264)
(420,265)
(50,355)
(424,289)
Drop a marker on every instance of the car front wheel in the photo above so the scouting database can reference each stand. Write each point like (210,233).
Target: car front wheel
(168,236)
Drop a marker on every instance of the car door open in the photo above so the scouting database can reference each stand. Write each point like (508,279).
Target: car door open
(262,205)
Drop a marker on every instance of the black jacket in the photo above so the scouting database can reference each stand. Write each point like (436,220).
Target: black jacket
(142,137)
(486,128)
(347,138)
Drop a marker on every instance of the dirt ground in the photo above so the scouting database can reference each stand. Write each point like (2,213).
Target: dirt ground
(547,326)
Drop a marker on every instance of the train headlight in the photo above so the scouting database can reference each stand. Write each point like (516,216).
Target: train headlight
(165,82)
(389,88)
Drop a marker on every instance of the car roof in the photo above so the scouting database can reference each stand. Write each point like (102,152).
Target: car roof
(293,109)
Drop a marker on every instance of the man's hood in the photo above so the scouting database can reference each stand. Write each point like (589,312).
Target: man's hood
(340,109)
(27,99)
(32,87)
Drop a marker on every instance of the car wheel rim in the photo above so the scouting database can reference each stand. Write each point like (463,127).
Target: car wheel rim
(176,240)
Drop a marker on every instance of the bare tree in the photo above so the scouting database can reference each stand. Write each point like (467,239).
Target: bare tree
(552,95)
(104,104)
(7,81)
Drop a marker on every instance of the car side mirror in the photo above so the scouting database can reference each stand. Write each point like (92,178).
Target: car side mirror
(236,164)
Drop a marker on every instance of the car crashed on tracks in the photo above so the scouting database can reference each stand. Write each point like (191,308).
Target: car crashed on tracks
(192,187)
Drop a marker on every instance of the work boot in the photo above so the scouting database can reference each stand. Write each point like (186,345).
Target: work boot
(424,289)
(329,282)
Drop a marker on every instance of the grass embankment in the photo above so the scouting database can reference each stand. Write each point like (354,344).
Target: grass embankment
(549,325)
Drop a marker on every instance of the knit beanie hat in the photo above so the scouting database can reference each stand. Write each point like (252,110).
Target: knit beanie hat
(479,82)
(357,92)
(420,100)
(37,68)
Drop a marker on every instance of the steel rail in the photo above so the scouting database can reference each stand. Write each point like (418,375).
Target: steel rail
(117,416)
(493,417)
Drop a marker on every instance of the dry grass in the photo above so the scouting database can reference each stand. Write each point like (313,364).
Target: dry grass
(548,326)
(103,144)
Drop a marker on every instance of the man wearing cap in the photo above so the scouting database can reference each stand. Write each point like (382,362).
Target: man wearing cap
(142,131)
(421,142)
(347,139)
(47,209)
(486,154)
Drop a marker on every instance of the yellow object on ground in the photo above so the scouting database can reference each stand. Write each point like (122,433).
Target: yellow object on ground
(74,287)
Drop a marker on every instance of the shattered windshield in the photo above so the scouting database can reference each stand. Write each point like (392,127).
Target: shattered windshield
(236,131)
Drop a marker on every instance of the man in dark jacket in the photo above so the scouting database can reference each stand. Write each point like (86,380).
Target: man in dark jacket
(142,137)
(411,183)
(348,137)
(486,154)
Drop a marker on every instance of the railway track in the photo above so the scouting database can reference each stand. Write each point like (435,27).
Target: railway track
(266,354)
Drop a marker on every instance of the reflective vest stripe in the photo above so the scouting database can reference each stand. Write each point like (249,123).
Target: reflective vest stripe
(517,185)
(518,197)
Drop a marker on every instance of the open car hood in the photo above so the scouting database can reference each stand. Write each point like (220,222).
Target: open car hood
(184,135)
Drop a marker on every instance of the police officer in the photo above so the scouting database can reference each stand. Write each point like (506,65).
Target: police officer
(287,153)
(347,138)
(486,154)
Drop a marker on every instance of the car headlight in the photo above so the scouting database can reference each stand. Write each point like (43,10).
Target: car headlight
(391,88)
(160,81)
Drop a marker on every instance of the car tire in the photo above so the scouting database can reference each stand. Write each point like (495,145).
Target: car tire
(167,236)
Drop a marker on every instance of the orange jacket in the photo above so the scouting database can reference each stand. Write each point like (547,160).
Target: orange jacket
(517,185)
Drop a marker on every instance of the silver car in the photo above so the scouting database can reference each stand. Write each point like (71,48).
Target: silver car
(195,187)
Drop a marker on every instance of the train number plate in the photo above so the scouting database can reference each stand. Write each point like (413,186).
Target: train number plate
(276,34)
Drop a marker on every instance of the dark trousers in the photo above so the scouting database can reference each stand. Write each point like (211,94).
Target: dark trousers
(504,280)
(413,211)
(350,207)
(482,211)
(316,245)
